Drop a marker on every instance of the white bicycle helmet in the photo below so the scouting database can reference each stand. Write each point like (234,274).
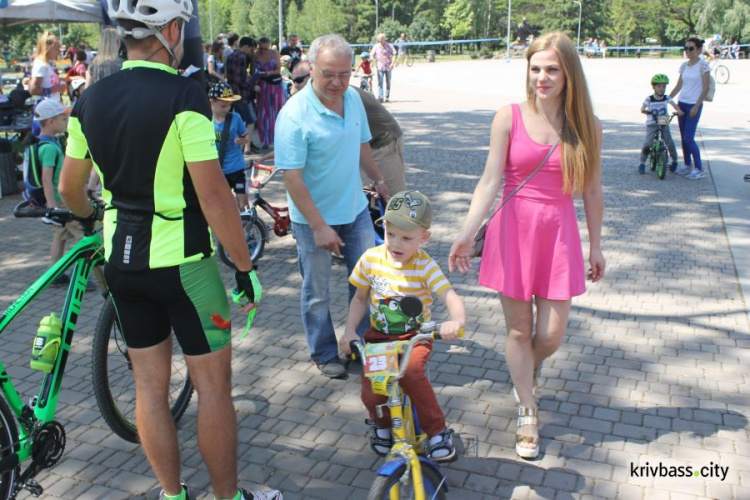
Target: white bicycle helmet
(150,12)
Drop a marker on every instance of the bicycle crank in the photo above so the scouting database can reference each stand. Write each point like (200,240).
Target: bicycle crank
(48,445)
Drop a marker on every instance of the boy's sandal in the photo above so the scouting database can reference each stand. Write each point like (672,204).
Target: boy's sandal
(377,441)
(527,416)
(445,445)
(537,372)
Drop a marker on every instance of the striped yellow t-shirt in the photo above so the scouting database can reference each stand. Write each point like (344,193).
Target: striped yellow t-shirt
(389,282)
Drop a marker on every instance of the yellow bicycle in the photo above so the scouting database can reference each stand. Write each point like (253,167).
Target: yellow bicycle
(407,472)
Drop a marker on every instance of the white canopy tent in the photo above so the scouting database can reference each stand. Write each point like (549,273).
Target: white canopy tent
(52,11)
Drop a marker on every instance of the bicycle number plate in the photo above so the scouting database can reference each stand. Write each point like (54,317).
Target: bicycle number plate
(261,173)
(381,359)
(662,120)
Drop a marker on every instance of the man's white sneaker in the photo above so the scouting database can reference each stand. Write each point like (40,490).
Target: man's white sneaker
(696,174)
(682,170)
(261,495)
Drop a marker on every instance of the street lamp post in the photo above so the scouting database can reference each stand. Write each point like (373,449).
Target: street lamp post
(377,25)
(211,20)
(507,39)
(578,39)
(281,23)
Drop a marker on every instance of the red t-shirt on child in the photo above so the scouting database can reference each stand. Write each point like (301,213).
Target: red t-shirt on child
(366,69)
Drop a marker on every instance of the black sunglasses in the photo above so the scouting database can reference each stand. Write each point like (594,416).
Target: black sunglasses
(689,48)
(300,79)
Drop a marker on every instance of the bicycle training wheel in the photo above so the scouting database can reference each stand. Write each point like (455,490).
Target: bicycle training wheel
(8,446)
(661,167)
(721,73)
(114,385)
(382,486)
(256,235)
(409,61)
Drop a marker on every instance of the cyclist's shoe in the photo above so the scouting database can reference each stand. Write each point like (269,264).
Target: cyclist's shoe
(642,168)
(163,496)
(673,166)
(332,368)
(682,170)
(441,448)
(696,174)
(381,440)
(62,280)
(261,495)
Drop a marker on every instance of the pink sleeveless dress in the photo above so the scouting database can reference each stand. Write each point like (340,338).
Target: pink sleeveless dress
(532,247)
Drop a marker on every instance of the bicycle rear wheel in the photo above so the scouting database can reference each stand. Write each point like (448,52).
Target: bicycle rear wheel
(661,168)
(114,386)
(409,61)
(721,74)
(382,486)
(256,235)
(8,446)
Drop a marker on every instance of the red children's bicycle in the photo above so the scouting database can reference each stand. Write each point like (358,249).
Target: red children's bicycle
(256,231)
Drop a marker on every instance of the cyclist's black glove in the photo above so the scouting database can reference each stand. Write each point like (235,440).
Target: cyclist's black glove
(248,286)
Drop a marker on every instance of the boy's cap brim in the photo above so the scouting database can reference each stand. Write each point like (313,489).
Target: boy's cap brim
(401,222)
(229,99)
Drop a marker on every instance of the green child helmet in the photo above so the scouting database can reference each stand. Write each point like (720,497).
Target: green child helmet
(660,78)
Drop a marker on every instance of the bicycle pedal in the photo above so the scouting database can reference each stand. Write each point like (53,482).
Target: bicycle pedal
(467,445)
(33,487)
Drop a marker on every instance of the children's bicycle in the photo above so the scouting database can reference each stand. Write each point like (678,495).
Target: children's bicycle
(407,472)
(657,155)
(719,71)
(404,58)
(256,231)
(365,82)
(29,431)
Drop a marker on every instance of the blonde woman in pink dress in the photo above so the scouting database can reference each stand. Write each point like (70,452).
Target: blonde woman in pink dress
(532,249)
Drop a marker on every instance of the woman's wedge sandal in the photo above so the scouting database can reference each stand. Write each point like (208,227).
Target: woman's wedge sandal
(527,416)
(537,371)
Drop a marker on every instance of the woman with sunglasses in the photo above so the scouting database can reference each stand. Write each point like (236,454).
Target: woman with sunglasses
(692,87)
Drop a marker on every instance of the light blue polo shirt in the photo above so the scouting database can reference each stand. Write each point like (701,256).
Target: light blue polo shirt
(311,137)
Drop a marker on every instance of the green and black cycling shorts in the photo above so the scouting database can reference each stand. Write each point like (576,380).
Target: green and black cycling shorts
(189,299)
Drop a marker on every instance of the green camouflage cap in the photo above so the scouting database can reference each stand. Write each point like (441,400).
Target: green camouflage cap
(408,210)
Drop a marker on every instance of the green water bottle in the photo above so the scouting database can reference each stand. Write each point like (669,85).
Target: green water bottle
(46,344)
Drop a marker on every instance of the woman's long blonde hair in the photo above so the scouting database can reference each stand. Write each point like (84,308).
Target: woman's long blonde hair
(109,46)
(579,140)
(42,45)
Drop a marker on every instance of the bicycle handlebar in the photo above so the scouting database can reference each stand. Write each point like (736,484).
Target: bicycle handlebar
(430,331)
(268,168)
(24,210)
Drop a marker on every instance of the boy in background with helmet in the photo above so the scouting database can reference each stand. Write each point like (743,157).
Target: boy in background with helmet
(231,137)
(655,105)
(383,276)
(166,196)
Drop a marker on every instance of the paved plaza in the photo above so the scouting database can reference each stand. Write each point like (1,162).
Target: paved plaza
(653,371)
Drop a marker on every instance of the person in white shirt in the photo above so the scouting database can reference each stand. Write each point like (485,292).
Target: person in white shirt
(692,86)
(45,81)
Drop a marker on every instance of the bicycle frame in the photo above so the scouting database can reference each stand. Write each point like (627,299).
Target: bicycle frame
(280,215)
(84,256)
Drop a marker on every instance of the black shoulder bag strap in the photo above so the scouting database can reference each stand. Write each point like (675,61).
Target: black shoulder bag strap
(224,138)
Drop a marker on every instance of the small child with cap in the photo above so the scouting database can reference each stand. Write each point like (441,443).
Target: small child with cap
(231,137)
(53,116)
(383,276)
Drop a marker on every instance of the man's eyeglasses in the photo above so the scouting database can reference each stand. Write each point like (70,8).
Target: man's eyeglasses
(688,48)
(341,76)
(300,79)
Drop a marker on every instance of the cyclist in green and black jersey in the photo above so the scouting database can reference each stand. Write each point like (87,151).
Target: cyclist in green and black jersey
(148,133)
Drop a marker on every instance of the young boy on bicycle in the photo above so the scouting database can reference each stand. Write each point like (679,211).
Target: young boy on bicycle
(383,276)
(365,69)
(235,138)
(655,105)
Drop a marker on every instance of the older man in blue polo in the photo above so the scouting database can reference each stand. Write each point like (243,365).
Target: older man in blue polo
(321,136)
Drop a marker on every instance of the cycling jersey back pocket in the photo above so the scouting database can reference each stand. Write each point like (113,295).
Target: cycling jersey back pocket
(131,243)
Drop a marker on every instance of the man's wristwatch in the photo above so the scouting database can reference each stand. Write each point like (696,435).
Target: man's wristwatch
(378,183)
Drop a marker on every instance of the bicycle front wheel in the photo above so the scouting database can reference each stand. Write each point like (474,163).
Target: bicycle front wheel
(114,385)
(256,235)
(8,446)
(661,167)
(721,74)
(389,487)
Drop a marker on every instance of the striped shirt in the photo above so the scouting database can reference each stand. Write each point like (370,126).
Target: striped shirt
(388,282)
